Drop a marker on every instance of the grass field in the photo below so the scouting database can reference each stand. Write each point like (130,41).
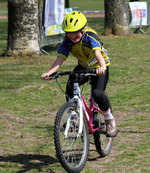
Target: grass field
(28,106)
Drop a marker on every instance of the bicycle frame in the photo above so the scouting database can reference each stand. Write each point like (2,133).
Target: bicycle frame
(88,112)
(83,110)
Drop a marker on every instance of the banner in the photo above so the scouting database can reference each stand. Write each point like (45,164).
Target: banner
(139,13)
(54,12)
(56,29)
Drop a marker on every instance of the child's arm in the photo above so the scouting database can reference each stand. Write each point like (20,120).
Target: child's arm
(55,66)
(101,62)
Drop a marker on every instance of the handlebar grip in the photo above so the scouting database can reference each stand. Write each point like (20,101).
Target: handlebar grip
(58,74)
(53,75)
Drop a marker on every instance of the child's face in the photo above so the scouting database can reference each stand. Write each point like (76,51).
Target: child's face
(75,37)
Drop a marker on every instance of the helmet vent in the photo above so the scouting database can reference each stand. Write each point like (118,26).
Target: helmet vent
(66,22)
(71,20)
(75,22)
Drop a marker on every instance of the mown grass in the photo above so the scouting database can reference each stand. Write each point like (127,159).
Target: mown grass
(28,106)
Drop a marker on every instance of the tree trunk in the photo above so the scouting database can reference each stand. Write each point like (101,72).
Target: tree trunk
(22,28)
(115,18)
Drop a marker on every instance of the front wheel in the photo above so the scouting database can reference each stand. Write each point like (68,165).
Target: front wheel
(103,144)
(72,151)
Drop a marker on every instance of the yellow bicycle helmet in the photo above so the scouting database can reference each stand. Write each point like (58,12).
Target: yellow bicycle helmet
(74,21)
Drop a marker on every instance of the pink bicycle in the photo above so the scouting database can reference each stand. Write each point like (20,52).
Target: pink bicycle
(73,124)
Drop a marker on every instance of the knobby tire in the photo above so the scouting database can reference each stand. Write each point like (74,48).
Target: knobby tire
(103,144)
(71,154)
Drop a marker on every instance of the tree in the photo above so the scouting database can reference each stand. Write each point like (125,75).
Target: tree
(115,18)
(22,28)
(67,4)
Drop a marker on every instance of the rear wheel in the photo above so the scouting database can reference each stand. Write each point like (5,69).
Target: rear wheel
(103,144)
(72,151)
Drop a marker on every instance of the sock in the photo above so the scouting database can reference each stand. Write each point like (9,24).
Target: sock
(108,115)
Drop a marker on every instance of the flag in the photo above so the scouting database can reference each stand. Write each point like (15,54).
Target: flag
(54,12)
(139,13)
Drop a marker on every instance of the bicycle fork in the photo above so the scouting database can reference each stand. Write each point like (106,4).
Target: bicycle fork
(78,100)
(79,110)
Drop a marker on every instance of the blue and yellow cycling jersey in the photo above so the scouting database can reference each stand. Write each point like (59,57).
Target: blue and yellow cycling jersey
(83,50)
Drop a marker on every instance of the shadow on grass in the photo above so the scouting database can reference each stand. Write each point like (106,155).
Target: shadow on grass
(30,161)
(92,159)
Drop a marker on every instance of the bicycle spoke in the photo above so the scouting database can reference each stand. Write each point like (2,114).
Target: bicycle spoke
(72,147)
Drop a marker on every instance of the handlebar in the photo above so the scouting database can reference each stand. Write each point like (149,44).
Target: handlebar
(86,72)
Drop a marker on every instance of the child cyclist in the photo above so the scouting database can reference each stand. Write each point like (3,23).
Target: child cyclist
(86,46)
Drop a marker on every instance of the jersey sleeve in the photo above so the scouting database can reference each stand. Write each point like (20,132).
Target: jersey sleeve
(94,41)
(64,49)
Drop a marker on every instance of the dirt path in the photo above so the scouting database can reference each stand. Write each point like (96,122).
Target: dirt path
(3,17)
(88,15)
(95,162)
(95,15)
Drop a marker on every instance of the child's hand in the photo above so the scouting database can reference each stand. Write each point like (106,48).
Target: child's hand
(44,75)
(100,70)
